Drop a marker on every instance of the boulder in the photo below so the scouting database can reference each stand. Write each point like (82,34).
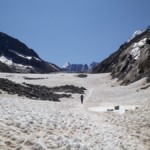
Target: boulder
(116,107)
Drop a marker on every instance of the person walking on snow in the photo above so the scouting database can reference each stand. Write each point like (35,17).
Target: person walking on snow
(82,99)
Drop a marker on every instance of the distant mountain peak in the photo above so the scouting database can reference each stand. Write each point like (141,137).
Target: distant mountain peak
(66,65)
(78,67)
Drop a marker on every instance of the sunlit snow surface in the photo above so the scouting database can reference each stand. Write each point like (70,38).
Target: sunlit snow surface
(69,125)
(135,52)
(3,59)
(7,61)
(122,109)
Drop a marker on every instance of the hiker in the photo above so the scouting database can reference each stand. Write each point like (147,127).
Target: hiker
(82,98)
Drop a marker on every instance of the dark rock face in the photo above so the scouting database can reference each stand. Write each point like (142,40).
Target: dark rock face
(131,62)
(4,68)
(21,58)
(92,65)
(39,92)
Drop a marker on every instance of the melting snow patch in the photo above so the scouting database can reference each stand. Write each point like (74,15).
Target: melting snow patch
(54,67)
(122,109)
(23,56)
(135,52)
(5,60)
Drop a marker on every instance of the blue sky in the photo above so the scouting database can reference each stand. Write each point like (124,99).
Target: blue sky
(78,31)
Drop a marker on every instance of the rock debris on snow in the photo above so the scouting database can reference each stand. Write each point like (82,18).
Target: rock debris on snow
(68,125)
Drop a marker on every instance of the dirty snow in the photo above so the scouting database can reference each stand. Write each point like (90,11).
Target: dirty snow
(68,125)
(122,109)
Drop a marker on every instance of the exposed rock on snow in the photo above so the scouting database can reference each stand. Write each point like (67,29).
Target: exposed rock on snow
(116,107)
(68,125)
(39,92)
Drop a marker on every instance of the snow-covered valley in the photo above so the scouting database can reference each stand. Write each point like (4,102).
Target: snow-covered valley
(27,124)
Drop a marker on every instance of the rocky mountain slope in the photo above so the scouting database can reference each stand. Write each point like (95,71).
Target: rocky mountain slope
(131,61)
(15,56)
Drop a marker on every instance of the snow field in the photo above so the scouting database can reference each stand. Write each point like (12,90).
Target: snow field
(68,125)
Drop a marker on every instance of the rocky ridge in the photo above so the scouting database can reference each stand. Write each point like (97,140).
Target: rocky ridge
(16,57)
(131,61)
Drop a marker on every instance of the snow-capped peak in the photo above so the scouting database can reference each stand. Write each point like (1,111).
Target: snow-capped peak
(138,32)
(66,65)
